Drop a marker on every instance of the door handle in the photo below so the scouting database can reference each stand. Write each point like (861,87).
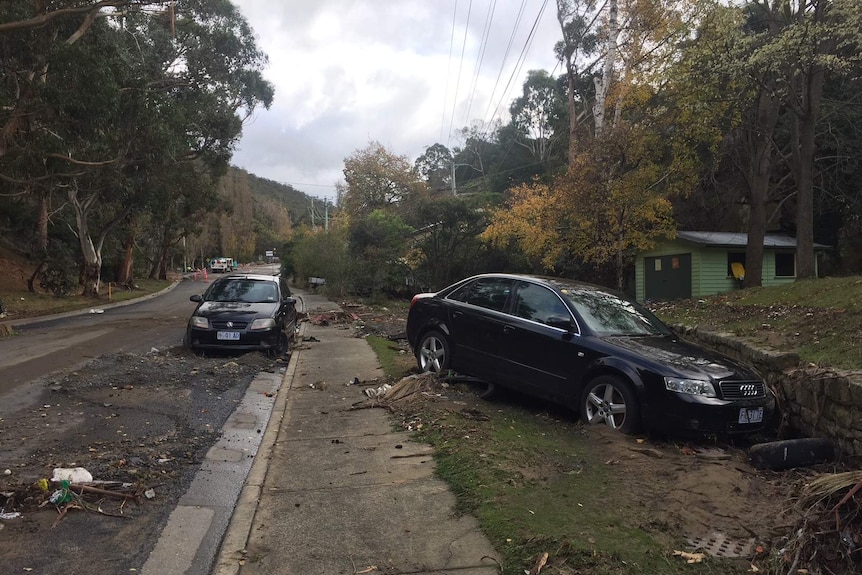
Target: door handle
(508,329)
(457,314)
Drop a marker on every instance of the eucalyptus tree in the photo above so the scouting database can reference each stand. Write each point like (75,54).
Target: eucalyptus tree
(761,69)
(819,41)
(128,96)
(536,115)
(623,163)
(436,166)
(445,244)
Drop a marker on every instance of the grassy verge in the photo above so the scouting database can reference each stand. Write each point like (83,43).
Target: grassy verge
(394,363)
(23,304)
(537,484)
(819,319)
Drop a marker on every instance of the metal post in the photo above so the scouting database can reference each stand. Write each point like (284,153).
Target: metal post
(454,192)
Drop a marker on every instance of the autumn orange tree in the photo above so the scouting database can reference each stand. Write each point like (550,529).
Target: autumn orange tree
(614,199)
(611,203)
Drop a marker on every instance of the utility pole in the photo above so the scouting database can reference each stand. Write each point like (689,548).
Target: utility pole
(326,215)
(454,192)
(312,214)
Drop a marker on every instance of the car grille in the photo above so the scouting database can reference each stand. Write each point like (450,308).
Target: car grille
(236,325)
(742,389)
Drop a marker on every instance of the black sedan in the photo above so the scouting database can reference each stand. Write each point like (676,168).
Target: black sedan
(243,312)
(588,348)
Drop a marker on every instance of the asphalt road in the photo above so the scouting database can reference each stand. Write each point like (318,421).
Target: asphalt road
(43,347)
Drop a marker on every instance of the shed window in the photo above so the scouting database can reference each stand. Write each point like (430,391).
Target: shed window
(785,265)
(734,258)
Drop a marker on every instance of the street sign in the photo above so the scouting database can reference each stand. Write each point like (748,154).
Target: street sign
(270,253)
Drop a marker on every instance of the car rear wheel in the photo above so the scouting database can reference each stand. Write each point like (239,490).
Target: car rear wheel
(432,354)
(611,401)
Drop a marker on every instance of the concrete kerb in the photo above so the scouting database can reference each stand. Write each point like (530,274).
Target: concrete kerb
(359,493)
(85,311)
(233,546)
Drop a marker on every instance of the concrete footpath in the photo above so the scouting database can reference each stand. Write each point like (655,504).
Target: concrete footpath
(335,491)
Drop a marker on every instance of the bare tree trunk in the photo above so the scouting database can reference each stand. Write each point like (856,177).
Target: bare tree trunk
(31,281)
(603,82)
(803,137)
(91,250)
(573,116)
(125,272)
(42,222)
(759,172)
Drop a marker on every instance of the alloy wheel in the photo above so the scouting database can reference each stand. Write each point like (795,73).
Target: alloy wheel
(606,404)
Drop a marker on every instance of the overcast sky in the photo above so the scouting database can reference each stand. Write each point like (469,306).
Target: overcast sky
(347,72)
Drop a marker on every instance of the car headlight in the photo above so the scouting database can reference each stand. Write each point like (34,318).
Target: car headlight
(200,322)
(266,323)
(690,386)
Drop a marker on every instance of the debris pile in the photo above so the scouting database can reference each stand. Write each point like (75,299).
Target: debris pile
(405,389)
(332,318)
(74,488)
(827,537)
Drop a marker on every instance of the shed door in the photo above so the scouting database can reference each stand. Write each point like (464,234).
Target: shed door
(667,277)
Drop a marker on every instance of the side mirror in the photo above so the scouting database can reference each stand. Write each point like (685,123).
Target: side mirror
(289,300)
(196,298)
(560,322)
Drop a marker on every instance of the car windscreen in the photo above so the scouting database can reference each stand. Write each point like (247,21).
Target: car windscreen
(248,291)
(605,313)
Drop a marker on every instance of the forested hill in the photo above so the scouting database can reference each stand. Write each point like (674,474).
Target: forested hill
(260,215)
(296,202)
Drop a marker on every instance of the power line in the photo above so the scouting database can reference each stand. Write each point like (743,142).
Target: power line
(460,65)
(521,59)
(506,56)
(448,70)
(489,19)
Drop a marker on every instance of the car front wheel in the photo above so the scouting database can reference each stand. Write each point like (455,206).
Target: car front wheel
(611,401)
(282,346)
(433,353)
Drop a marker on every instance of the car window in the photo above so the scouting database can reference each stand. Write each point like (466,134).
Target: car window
(489,293)
(241,290)
(538,303)
(606,313)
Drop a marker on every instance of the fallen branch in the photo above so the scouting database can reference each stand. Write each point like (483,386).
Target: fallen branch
(90,489)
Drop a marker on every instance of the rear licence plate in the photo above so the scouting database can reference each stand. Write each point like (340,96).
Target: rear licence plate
(234,336)
(751,415)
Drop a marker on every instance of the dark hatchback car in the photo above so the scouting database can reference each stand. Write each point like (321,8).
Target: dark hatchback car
(588,348)
(243,312)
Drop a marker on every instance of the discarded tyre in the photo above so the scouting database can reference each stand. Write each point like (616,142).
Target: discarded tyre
(792,453)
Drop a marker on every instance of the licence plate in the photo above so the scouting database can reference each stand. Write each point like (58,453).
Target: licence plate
(751,415)
(230,335)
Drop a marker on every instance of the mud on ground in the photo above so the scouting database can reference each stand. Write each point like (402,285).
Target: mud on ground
(142,420)
(700,491)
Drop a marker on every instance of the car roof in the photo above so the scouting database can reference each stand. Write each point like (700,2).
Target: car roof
(547,280)
(257,277)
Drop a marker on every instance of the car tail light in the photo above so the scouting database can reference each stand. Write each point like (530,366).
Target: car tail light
(414,300)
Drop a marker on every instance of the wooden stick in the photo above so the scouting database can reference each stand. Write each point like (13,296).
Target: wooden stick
(90,489)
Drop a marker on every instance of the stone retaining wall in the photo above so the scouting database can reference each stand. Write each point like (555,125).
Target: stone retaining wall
(815,401)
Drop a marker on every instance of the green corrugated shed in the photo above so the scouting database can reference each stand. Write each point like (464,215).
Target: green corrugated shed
(697,264)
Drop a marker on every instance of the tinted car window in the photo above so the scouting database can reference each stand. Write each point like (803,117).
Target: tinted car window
(608,314)
(489,293)
(538,303)
(250,291)
(285,290)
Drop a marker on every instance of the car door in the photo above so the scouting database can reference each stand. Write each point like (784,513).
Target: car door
(541,342)
(287,308)
(477,319)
